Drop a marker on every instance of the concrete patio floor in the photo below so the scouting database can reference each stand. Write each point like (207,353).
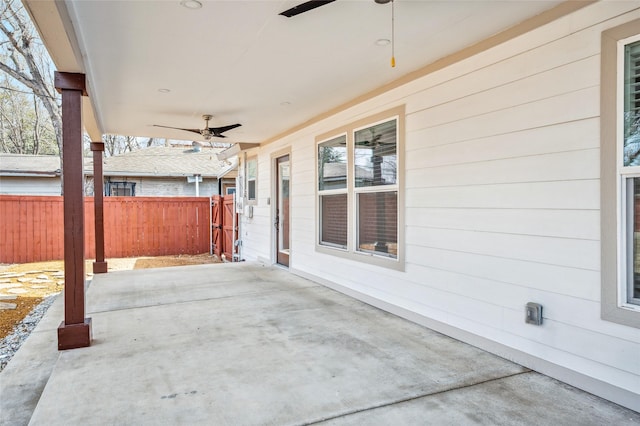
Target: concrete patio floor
(245,344)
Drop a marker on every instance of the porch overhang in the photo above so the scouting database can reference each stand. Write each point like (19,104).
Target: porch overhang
(235,149)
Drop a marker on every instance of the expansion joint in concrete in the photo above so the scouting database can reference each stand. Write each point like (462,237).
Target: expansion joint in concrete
(415,397)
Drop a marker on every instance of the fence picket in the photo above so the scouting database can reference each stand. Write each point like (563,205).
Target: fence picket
(31,227)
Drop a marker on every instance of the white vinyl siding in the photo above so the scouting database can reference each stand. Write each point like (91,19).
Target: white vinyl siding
(502,205)
(26,185)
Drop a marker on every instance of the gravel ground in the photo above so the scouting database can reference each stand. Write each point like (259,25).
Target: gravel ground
(10,344)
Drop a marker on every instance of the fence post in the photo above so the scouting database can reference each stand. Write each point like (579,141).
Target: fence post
(99,266)
(75,330)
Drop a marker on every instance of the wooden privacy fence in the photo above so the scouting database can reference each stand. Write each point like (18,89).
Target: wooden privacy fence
(31,228)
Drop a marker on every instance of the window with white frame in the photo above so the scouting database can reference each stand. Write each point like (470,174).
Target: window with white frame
(332,189)
(376,188)
(252,176)
(629,171)
(620,174)
(358,190)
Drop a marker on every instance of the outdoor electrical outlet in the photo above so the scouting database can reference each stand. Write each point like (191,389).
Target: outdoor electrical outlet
(533,313)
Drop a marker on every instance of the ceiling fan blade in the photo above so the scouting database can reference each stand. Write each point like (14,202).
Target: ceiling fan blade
(198,131)
(305,7)
(218,131)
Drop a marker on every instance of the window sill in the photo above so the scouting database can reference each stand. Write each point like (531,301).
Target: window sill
(363,257)
(628,315)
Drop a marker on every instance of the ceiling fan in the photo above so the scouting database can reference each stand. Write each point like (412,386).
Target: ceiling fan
(207,132)
(313,4)
(310,5)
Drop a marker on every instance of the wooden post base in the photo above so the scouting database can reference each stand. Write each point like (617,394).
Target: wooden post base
(99,267)
(73,336)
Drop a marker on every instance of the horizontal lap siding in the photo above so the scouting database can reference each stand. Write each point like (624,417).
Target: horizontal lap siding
(31,228)
(502,198)
(11,185)
(256,232)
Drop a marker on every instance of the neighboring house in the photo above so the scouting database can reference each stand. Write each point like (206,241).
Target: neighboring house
(497,170)
(29,174)
(155,171)
(168,172)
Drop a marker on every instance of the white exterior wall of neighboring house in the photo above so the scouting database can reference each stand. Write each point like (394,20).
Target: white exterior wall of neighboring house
(30,185)
(168,187)
(502,205)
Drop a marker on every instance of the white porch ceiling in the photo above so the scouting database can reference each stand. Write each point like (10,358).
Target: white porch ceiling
(243,63)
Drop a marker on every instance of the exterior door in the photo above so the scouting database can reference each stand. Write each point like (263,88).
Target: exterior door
(283,184)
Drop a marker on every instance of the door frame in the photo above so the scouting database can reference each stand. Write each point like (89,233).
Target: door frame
(274,204)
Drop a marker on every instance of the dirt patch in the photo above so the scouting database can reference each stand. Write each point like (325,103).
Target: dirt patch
(180,260)
(24,286)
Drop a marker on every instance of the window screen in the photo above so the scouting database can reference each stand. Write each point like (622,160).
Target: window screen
(333,220)
(378,223)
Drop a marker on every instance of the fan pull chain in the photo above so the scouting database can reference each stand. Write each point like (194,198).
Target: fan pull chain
(393,36)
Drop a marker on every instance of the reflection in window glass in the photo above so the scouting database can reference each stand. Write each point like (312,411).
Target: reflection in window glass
(632,105)
(332,164)
(252,172)
(378,223)
(121,189)
(376,155)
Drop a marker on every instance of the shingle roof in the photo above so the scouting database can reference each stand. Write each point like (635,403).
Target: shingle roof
(165,161)
(154,161)
(29,165)
(338,170)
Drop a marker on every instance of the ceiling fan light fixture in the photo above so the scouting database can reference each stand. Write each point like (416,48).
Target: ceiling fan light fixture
(382,1)
(192,4)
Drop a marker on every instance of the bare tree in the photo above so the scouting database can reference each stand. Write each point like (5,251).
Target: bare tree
(117,144)
(22,127)
(24,59)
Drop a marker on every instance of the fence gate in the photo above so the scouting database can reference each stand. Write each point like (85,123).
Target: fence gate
(216,224)
(228,224)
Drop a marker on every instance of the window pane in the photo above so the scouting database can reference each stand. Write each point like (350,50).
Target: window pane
(378,223)
(633,228)
(122,189)
(333,220)
(632,105)
(252,169)
(332,164)
(375,155)
(251,190)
